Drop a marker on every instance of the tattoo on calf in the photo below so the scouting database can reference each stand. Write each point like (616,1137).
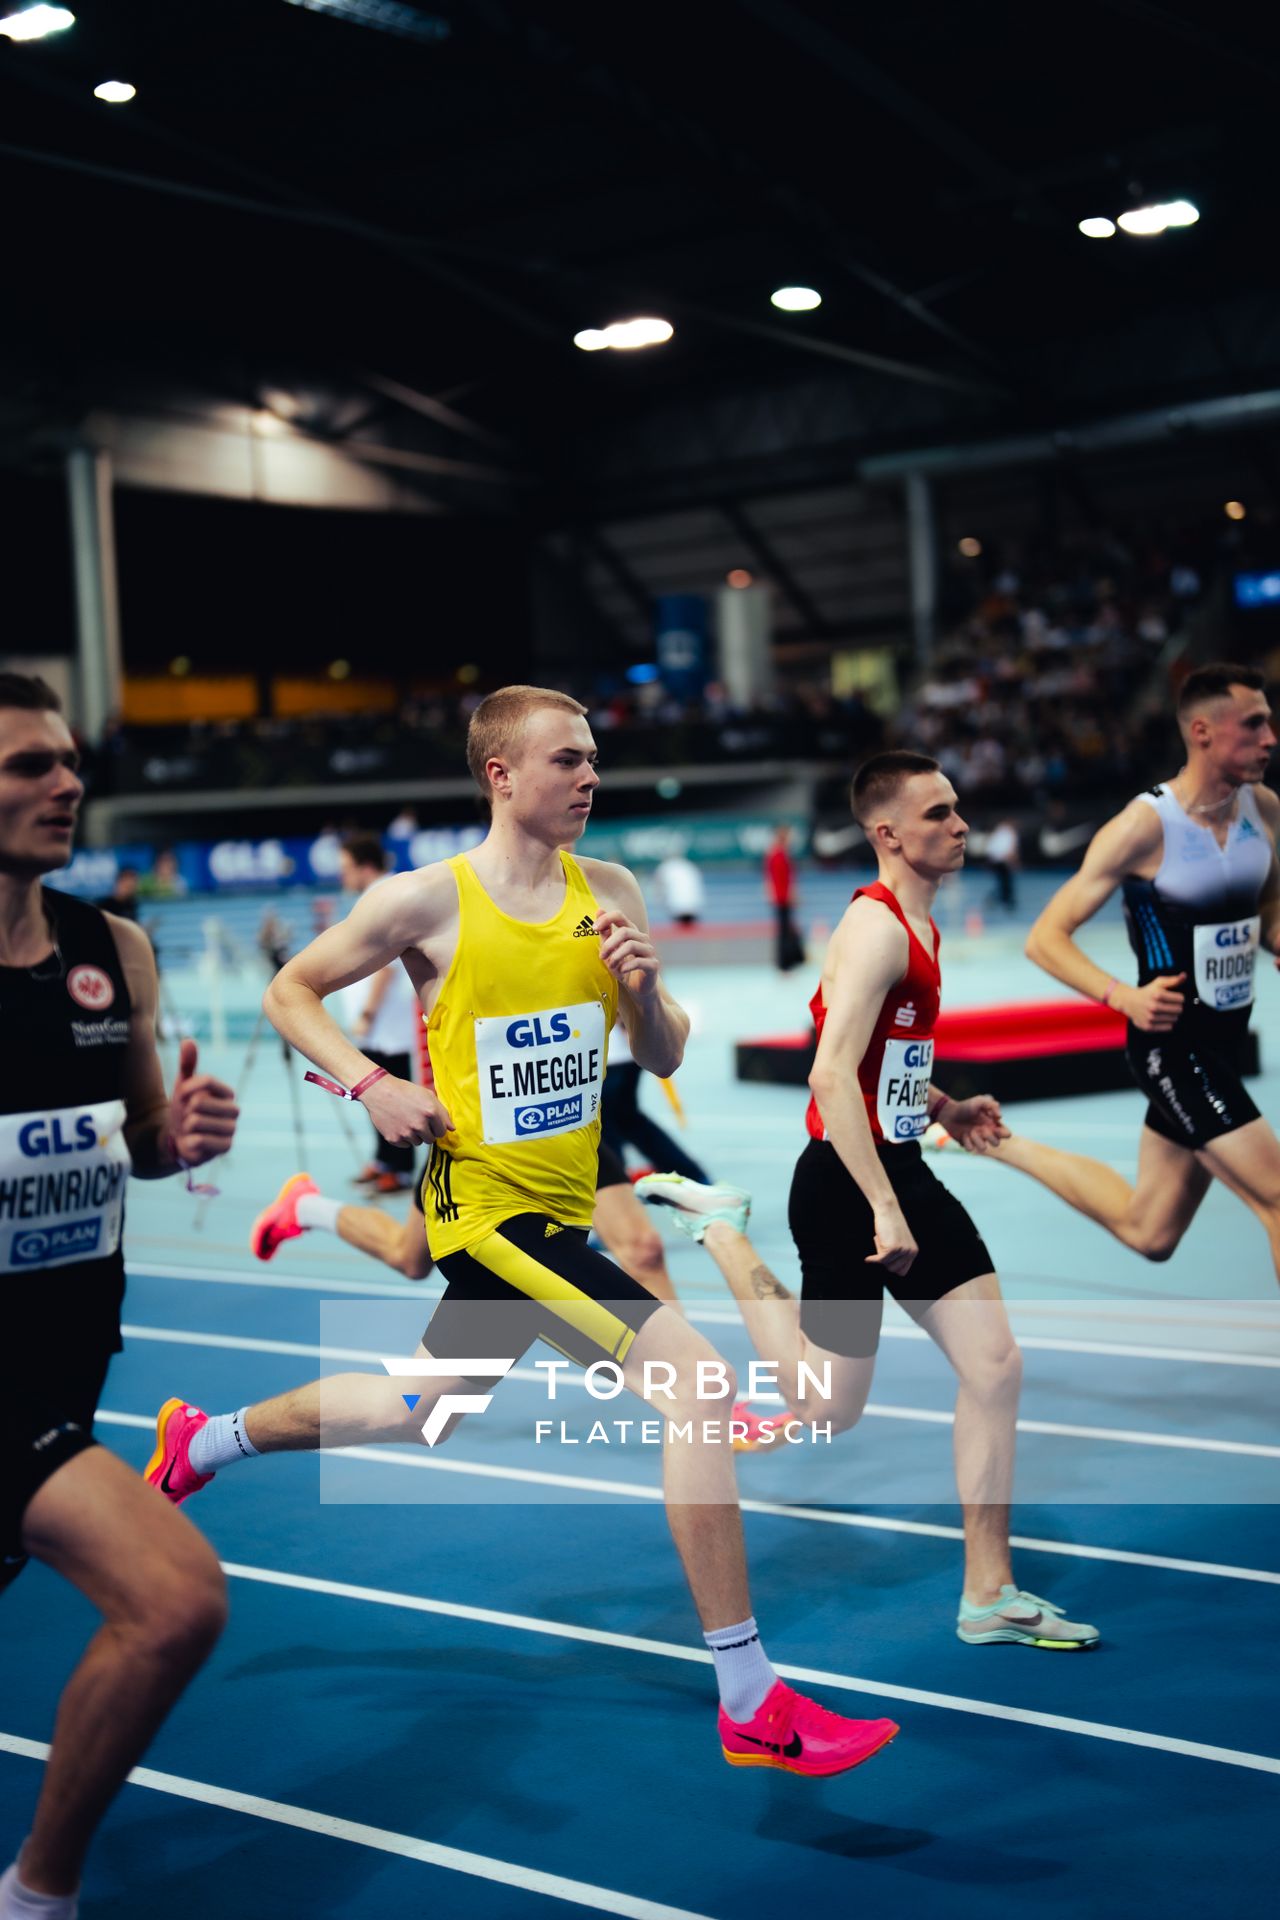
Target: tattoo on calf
(766,1285)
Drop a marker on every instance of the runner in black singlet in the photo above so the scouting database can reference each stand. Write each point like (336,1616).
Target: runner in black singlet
(83,1103)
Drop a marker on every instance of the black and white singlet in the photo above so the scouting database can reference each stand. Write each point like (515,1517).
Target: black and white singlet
(1199,916)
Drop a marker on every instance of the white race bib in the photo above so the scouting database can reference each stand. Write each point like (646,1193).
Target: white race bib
(540,1072)
(1224,958)
(902,1098)
(62,1182)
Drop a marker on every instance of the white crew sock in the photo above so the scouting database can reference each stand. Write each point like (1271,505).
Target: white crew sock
(315,1210)
(743,1673)
(20,1903)
(219,1442)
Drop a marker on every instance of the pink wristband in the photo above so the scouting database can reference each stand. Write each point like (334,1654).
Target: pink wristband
(1108,990)
(333,1086)
(362,1086)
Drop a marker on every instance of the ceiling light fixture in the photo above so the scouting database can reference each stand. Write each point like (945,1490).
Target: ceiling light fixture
(1098,227)
(624,335)
(796,299)
(970,548)
(116,93)
(33,23)
(1235,510)
(1144,221)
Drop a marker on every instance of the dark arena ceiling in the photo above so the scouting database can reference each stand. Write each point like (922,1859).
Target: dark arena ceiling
(388,221)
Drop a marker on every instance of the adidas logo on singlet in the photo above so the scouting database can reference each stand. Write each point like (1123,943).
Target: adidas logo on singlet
(905,1016)
(551,1230)
(585,928)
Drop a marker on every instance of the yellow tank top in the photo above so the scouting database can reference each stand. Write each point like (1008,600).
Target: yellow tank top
(518,1038)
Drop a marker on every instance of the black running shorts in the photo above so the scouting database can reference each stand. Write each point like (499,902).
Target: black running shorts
(833,1226)
(1193,1082)
(533,1279)
(44,1422)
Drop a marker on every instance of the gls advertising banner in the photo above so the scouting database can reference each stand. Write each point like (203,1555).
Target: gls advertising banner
(226,866)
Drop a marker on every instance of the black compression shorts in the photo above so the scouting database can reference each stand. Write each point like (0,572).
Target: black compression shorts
(1195,1092)
(43,1424)
(833,1226)
(534,1279)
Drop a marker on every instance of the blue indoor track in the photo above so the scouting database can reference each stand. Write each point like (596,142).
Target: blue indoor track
(444,1692)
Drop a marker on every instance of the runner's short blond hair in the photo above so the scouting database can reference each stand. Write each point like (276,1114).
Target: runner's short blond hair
(497,721)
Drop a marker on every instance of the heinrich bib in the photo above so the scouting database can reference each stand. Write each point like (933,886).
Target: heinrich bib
(62,1181)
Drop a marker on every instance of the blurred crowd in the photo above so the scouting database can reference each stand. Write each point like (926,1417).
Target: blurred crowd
(1056,686)
(1050,681)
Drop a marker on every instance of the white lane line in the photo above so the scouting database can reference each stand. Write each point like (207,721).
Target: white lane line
(580,1893)
(809,1676)
(1061,1430)
(429,1291)
(1049,1343)
(822,1516)
(1104,1349)
(292,1283)
(874,1409)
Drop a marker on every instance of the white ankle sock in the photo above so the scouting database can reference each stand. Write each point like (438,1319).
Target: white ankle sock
(315,1210)
(20,1903)
(743,1673)
(219,1442)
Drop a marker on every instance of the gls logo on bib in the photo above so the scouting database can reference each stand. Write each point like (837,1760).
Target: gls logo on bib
(56,1134)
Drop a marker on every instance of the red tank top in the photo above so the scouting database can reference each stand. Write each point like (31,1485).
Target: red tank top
(895,1070)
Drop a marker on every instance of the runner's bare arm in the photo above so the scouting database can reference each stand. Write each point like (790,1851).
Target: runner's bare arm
(404,911)
(379,987)
(657,1026)
(1269,899)
(199,1121)
(867,956)
(1123,847)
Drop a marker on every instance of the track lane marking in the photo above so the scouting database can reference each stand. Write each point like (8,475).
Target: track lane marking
(774,1509)
(429,1853)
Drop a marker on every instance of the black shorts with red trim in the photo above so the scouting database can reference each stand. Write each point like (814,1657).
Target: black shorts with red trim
(833,1226)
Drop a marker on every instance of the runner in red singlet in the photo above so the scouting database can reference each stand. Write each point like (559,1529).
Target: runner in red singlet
(867,1213)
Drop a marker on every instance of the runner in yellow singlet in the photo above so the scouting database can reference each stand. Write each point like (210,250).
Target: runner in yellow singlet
(521,956)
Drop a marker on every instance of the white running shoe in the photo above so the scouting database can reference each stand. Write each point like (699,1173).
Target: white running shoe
(695,1206)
